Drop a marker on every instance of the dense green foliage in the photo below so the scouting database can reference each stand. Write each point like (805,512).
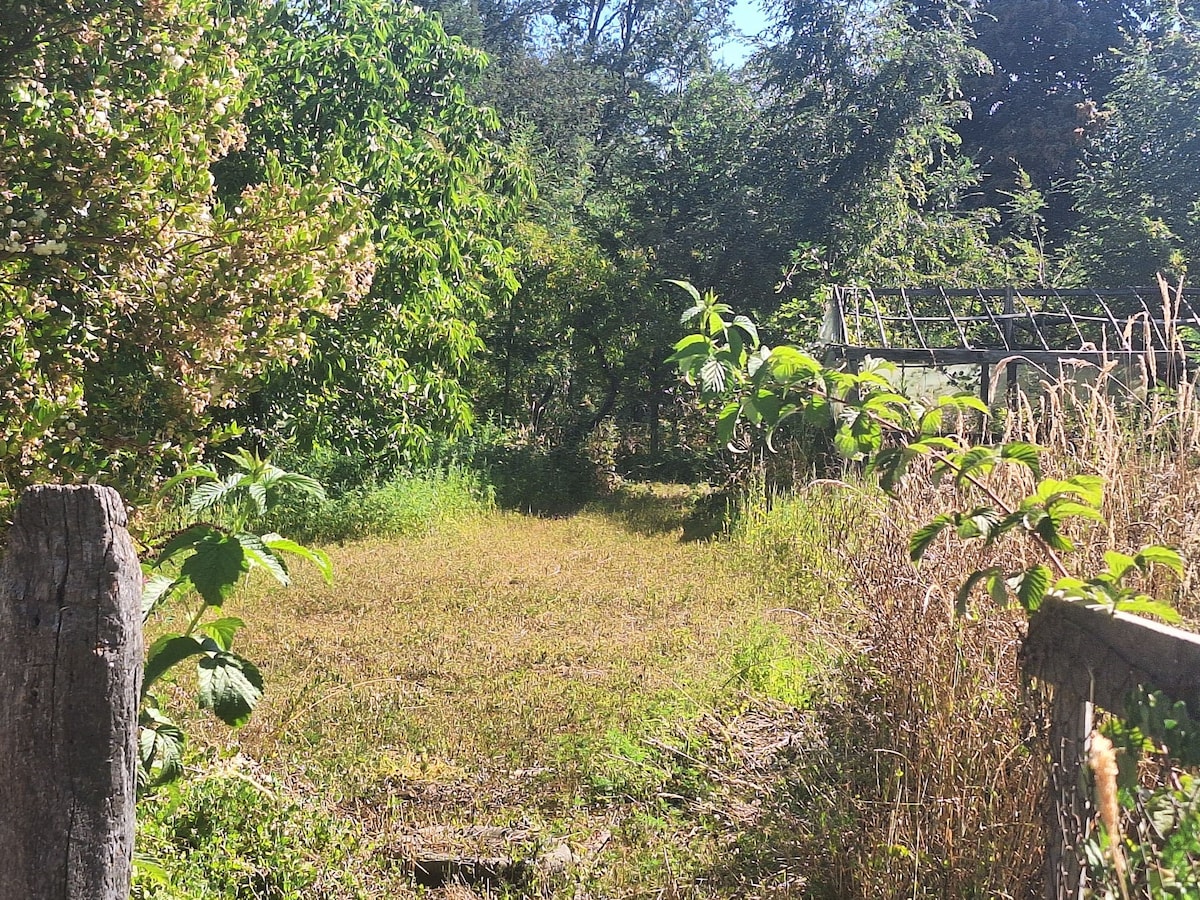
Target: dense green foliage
(313,226)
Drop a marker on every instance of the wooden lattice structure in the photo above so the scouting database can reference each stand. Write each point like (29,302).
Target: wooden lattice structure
(985,327)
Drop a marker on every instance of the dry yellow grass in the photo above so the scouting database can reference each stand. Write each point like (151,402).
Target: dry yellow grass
(513,671)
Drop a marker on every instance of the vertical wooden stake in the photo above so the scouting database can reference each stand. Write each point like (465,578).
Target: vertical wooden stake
(70,672)
(1069,817)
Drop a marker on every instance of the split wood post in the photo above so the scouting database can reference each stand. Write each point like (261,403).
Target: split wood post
(1089,655)
(70,672)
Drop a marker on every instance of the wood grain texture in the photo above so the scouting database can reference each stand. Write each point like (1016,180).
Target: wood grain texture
(70,672)
(1104,657)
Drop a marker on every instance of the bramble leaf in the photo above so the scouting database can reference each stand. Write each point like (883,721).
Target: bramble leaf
(216,567)
(925,535)
(1161,556)
(230,687)
(1031,587)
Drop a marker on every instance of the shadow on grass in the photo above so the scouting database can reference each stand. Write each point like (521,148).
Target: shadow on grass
(655,509)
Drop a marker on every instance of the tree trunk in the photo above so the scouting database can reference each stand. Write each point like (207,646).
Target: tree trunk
(70,672)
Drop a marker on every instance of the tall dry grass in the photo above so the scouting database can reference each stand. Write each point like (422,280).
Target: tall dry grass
(933,780)
(1138,427)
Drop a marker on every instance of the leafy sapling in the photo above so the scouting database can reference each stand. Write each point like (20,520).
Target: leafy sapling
(755,388)
(202,564)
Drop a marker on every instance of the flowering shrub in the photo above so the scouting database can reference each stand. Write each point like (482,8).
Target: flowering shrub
(133,299)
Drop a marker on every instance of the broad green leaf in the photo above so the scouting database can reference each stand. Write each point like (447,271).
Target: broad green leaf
(318,558)
(979,460)
(787,362)
(216,567)
(979,523)
(187,539)
(727,421)
(1161,556)
(1147,606)
(222,631)
(1089,487)
(158,590)
(1047,530)
(687,286)
(963,597)
(259,554)
(258,493)
(1118,564)
(712,375)
(690,347)
(1063,509)
(930,422)
(206,473)
(746,325)
(925,535)
(963,401)
(160,748)
(230,687)
(1027,455)
(169,650)
(209,494)
(1031,587)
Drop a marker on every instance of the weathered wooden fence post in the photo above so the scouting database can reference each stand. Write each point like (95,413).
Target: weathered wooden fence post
(70,672)
(1090,655)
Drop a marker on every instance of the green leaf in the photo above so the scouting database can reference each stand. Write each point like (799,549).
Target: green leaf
(216,567)
(712,375)
(278,478)
(1118,564)
(160,748)
(1146,606)
(209,494)
(205,473)
(222,631)
(158,589)
(746,325)
(1027,455)
(727,421)
(1031,587)
(187,539)
(964,401)
(259,554)
(1161,556)
(977,459)
(318,558)
(690,347)
(979,523)
(925,535)
(786,363)
(963,597)
(687,286)
(1061,509)
(230,687)
(166,652)
(1047,530)
(258,493)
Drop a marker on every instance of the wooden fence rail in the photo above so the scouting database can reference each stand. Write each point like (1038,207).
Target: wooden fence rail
(1091,656)
(70,672)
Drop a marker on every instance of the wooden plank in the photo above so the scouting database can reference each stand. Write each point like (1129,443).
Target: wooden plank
(1069,813)
(70,671)
(1104,657)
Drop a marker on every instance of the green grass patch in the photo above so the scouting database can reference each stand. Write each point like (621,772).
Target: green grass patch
(407,504)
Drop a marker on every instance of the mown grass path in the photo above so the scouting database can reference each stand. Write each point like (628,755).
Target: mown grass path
(511,670)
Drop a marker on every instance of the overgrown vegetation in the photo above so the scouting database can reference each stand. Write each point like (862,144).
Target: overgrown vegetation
(421,256)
